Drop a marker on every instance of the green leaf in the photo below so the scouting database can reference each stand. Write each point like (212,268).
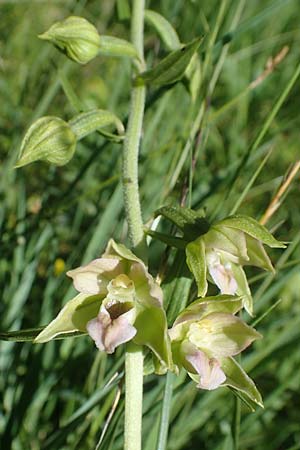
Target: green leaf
(253,228)
(113,46)
(30,334)
(164,29)
(191,223)
(194,76)
(237,379)
(72,318)
(195,259)
(172,241)
(176,287)
(123,9)
(88,122)
(171,68)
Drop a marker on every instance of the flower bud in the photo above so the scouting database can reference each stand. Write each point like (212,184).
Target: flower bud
(48,139)
(76,37)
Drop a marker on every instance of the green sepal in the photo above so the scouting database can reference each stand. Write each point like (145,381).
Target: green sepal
(229,240)
(113,46)
(195,259)
(72,318)
(120,250)
(243,288)
(88,122)
(201,307)
(172,241)
(241,383)
(164,29)
(257,254)
(171,68)
(152,331)
(253,228)
(192,223)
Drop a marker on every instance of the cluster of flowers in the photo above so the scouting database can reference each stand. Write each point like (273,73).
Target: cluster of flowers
(119,301)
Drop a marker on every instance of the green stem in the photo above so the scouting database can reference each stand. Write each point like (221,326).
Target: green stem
(165,415)
(133,397)
(134,354)
(132,140)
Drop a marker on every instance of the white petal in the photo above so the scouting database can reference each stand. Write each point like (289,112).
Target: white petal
(94,277)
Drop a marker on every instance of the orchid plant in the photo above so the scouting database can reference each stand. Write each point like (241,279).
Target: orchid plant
(119,301)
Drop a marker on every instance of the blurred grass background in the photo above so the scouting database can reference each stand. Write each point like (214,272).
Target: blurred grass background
(60,395)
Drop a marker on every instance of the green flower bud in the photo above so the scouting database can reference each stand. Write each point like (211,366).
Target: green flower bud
(48,139)
(76,37)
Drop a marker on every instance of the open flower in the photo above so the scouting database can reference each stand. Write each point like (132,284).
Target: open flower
(219,254)
(118,301)
(205,337)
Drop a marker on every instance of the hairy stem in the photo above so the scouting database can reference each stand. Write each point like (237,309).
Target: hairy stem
(134,354)
(132,140)
(133,397)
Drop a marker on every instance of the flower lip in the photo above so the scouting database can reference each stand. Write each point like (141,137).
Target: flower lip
(115,310)
(109,332)
(221,273)
(209,370)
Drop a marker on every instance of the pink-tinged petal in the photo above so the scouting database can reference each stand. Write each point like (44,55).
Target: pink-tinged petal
(209,370)
(221,274)
(119,332)
(108,333)
(94,277)
(96,329)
